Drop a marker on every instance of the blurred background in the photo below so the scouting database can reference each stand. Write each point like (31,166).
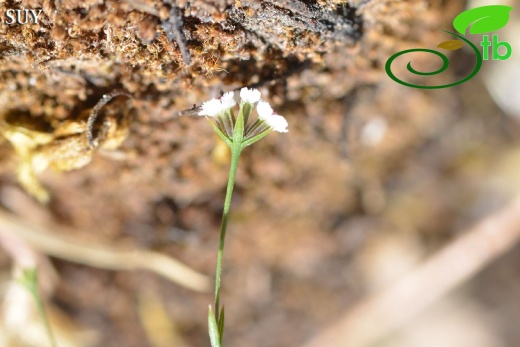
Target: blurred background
(387,216)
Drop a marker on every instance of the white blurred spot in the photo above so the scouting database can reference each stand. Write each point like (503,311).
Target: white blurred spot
(374,131)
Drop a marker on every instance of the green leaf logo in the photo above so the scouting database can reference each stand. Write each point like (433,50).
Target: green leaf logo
(484,19)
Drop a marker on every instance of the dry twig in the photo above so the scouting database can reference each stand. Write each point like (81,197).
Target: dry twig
(94,113)
(384,313)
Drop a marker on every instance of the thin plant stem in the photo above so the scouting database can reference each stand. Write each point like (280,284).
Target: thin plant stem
(43,315)
(235,154)
(237,138)
(30,281)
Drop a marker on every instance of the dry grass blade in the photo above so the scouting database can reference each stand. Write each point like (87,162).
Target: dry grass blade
(58,245)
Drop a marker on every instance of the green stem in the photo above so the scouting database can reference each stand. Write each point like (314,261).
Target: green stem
(30,281)
(235,154)
(43,315)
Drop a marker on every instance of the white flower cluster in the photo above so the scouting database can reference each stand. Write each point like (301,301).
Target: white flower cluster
(216,107)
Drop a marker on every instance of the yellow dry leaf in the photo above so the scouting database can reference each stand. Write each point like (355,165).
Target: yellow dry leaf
(63,149)
(451,45)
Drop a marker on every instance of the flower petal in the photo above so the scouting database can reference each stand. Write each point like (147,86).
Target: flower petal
(278,123)
(275,121)
(264,110)
(211,108)
(250,95)
(228,100)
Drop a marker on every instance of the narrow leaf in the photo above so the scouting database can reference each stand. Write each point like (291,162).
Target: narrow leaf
(220,133)
(238,135)
(221,324)
(247,108)
(451,45)
(213,329)
(29,280)
(485,19)
(252,140)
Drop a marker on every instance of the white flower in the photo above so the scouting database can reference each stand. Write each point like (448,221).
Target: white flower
(211,108)
(228,100)
(275,121)
(249,95)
